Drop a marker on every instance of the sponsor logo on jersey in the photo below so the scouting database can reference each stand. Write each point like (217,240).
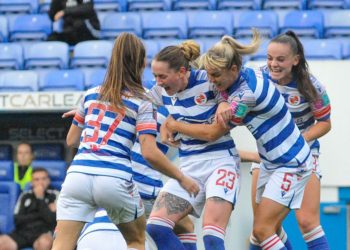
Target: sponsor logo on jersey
(294,100)
(200,99)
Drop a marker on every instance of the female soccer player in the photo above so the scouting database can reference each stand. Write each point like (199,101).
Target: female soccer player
(309,104)
(106,124)
(188,96)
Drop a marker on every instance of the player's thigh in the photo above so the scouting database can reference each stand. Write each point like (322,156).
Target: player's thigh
(134,230)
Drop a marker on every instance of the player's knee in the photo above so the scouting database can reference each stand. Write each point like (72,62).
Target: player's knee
(262,232)
(307,223)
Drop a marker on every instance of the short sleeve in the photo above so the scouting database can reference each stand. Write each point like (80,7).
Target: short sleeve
(146,122)
(321,107)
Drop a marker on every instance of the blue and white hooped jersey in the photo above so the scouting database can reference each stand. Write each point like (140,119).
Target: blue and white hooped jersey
(304,113)
(148,180)
(101,222)
(196,104)
(109,134)
(257,104)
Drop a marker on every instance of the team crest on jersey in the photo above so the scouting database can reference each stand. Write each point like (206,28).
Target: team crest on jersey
(294,100)
(200,99)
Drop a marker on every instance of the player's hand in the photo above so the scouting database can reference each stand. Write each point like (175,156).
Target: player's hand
(167,137)
(190,185)
(69,113)
(223,114)
(170,124)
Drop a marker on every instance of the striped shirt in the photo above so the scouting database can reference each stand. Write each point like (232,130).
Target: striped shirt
(305,113)
(257,104)
(196,104)
(109,134)
(147,179)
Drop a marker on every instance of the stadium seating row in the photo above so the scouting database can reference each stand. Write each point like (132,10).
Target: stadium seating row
(190,24)
(96,54)
(42,6)
(51,80)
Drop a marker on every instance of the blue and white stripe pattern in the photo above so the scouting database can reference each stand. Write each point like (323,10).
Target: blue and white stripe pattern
(196,104)
(147,179)
(262,109)
(304,113)
(109,134)
(100,223)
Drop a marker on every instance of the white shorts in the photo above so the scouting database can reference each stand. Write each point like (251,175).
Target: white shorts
(286,188)
(216,178)
(316,169)
(82,194)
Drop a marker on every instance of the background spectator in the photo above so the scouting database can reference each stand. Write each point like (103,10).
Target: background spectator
(80,22)
(35,216)
(22,168)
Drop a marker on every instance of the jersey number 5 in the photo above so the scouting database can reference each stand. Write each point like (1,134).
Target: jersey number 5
(287,182)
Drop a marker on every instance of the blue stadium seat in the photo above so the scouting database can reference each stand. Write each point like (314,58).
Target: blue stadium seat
(110,5)
(152,48)
(9,192)
(346,48)
(284,4)
(207,44)
(162,43)
(174,42)
(18,6)
(62,80)
(92,54)
(148,77)
(149,5)
(194,4)
(337,23)
(306,23)
(3,29)
(261,54)
(47,55)
(56,185)
(5,152)
(239,4)
(29,27)
(19,81)
(327,4)
(6,170)
(325,49)
(57,169)
(209,24)
(48,151)
(167,24)
(115,23)
(265,21)
(93,77)
(11,56)
(44,6)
